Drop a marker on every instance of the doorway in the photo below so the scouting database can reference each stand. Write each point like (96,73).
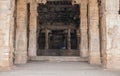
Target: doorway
(58,28)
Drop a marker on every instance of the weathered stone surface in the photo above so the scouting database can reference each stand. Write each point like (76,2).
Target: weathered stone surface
(21,33)
(84,30)
(6,22)
(94,39)
(112,23)
(33,29)
(109,31)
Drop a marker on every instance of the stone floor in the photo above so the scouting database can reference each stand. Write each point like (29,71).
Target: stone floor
(59,69)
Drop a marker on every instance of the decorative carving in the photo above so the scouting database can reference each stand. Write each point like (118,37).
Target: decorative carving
(42,1)
(76,2)
(59,12)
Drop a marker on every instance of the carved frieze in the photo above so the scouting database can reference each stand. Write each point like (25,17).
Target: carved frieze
(38,1)
(44,1)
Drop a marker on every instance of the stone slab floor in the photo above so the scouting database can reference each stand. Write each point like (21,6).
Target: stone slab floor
(59,69)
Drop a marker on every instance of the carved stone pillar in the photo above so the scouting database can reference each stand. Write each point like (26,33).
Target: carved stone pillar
(78,39)
(46,39)
(94,39)
(83,29)
(6,33)
(111,20)
(21,33)
(33,29)
(12,31)
(69,39)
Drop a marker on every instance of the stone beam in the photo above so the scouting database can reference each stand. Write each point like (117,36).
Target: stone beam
(44,1)
(94,39)
(21,33)
(6,22)
(83,29)
(38,1)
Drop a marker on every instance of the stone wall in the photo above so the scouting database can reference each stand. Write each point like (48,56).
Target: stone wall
(6,24)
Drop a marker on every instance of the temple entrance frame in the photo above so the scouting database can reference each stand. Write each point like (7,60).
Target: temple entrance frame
(89,42)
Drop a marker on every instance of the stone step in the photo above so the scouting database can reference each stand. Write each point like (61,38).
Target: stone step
(58,58)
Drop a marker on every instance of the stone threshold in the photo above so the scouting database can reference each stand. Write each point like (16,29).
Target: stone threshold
(58,58)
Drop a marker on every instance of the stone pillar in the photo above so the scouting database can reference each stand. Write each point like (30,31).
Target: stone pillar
(46,39)
(6,22)
(33,29)
(103,31)
(12,32)
(78,38)
(83,29)
(69,39)
(21,33)
(111,17)
(94,39)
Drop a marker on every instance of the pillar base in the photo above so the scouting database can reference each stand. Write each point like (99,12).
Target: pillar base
(112,62)
(84,53)
(20,59)
(95,59)
(5,68)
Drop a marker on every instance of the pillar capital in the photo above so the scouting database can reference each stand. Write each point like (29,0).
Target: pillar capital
(76,2)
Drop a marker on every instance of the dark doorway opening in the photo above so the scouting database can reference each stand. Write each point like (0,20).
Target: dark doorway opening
(58,39)
(58,25)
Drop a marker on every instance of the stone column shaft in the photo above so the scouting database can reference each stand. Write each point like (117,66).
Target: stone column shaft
(21,33)
(78,39)
(46,39)
(94,39)
(6,33)
(111,17)
(33,29)
(12,32)
(83,29)
(69,39)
